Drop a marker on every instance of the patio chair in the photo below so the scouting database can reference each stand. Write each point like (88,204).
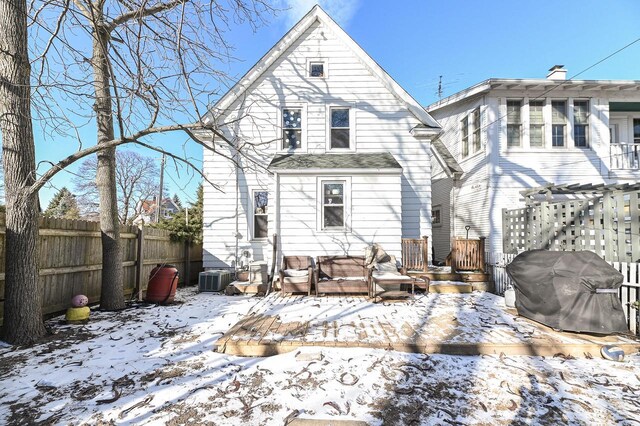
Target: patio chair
(386,274)
(296,274)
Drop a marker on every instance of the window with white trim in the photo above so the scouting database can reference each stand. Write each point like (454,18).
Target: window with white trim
(316,69)
(291,128)
(333,205)
(581,123)
(558,123)
(476,130)
(260,214)
(636,130)
(536,124)
(340,133)
(464,124)
(514,123)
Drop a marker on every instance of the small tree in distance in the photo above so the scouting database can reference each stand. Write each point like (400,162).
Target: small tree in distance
(63,205)
(186,225)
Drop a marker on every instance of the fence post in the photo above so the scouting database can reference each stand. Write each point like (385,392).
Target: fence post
(481,255)
(187,262)
(425,253)
(139,260)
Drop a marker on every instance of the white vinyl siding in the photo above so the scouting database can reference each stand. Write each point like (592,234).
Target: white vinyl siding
(378,122)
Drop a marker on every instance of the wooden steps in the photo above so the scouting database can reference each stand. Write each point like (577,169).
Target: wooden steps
(245,287)
(450,287)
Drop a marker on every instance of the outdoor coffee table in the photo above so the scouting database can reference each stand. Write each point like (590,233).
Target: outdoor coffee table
(398,280)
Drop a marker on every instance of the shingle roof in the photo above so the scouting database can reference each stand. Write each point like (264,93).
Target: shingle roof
(382,160)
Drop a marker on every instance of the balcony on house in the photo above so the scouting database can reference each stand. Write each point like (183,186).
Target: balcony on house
(624,131)
(624,156)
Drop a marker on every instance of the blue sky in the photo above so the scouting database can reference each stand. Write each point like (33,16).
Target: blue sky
(416,42)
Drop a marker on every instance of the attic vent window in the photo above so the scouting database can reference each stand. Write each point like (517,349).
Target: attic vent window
(316,69)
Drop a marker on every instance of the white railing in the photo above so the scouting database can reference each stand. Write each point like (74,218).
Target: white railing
(624,156)
(629,293)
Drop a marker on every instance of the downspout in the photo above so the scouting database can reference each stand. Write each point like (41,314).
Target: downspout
(237,212)
(276,215)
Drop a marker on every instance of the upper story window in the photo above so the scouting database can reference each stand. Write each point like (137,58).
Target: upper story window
(536,124)
(291,128)
(317,69)
(558,123)
(340,128)
(514,126)
(581,123)
(465,136)
(476,129)
(260,215)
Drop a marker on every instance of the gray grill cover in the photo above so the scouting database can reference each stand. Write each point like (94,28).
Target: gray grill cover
(573,291)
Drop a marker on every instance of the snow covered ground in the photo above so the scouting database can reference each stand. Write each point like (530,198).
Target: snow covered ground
(155,365)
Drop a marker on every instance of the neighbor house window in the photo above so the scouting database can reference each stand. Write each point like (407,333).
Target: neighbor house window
(476,130)
(536,124)
(333,205)
(291,128)
(465,136)
(260,215)
(513,123)
(340,128)
(316,69)
(581,123)
(636,130)
(558,122)
(436,219)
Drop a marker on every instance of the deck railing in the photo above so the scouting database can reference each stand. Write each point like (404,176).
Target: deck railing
(415,254)
(468,254)
(624,156)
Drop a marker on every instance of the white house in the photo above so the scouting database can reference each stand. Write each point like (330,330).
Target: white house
(509,135)
(332,154)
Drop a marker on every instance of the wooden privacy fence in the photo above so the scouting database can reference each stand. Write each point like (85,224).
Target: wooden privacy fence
(415,254)
(608,225)
(629,293)
(468,254)
(70,260)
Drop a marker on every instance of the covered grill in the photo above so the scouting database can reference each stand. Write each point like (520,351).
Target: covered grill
(572,291)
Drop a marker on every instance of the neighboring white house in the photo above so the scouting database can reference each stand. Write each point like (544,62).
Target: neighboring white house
(508,135)
(146,210)
(333,155)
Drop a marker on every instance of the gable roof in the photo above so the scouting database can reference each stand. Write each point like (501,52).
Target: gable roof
(317,14)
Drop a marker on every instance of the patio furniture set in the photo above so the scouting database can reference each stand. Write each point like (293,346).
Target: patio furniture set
(347,274)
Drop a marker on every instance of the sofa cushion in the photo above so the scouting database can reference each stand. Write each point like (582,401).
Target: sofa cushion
(387,267)
(296,272)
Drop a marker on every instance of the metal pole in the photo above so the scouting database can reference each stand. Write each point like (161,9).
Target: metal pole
(159,200)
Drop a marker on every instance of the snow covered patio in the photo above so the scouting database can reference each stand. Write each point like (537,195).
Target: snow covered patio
(456,324)
(155,365)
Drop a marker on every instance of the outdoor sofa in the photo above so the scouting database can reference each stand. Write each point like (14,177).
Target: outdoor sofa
(341,274)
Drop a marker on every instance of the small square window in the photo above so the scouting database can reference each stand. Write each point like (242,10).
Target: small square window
(316,69)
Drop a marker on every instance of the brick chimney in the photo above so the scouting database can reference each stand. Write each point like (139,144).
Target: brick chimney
(557,72)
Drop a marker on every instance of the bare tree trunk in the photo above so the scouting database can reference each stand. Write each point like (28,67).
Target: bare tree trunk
(23,308)
(112,292)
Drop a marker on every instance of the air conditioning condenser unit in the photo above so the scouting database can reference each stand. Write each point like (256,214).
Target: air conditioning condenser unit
(214,280)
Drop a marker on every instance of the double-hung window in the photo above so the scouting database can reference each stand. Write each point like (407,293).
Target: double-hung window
(581,123)
(291,128)
(514,126)
(536,124)
(464,124)
(340,128)
(636,130)
(558,123)
(476,130)
(333,205)
(260,215)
